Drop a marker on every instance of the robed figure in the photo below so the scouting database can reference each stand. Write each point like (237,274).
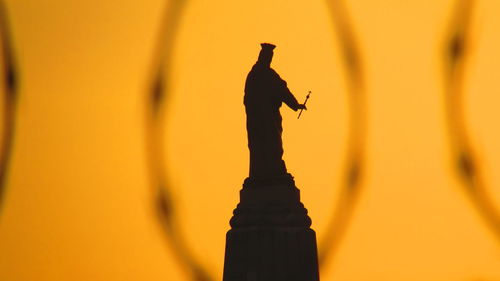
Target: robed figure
(265,91)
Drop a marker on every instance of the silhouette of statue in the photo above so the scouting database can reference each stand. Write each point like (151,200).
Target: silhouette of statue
(264,93)
(270,237)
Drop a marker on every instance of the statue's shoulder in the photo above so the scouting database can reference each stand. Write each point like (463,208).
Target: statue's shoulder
(263,73)
(274,74)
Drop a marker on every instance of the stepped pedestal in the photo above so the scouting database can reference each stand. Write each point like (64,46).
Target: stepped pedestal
(270,238)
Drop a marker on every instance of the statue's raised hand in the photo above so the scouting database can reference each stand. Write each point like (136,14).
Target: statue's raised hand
(302,106)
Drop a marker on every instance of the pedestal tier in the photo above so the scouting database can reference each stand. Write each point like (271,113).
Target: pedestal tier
(270,239)
(271,254)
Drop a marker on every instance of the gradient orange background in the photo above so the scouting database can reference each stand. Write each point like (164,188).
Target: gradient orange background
(79,205)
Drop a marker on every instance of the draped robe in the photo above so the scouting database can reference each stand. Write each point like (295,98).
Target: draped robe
(264,93)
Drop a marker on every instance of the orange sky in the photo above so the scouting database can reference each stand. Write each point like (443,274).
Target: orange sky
(78,204)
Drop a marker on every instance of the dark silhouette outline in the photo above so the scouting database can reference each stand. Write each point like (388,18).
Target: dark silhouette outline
(265,91)
(270,236)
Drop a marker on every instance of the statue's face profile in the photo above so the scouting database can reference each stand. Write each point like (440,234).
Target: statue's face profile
(266,57)
(266,54)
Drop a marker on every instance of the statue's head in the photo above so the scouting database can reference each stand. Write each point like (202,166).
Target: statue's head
(266,54)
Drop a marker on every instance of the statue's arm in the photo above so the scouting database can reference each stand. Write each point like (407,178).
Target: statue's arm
(287,97)
(284,94)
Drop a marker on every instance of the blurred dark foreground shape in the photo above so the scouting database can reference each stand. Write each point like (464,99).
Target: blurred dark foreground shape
(271,238)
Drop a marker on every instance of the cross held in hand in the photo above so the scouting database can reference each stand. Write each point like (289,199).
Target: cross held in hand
(307,97)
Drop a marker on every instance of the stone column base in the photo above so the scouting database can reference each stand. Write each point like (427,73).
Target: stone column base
(271,238)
